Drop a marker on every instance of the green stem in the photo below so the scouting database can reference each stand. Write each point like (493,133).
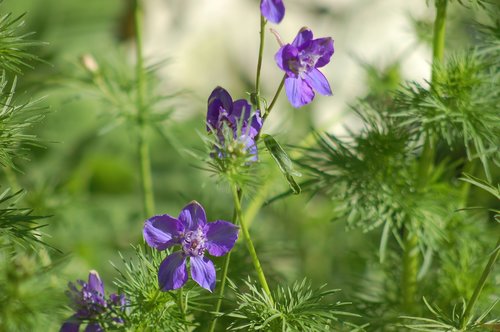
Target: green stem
(218,305)
(225,269)
(480,284)
(181,303)
(439,35)
(410,270)
(410,254)
(249,243)
(470,168)
(256,94)
(276,95)
(145,161)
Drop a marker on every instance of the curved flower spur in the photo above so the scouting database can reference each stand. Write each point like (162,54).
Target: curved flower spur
(300,60)
(195,236)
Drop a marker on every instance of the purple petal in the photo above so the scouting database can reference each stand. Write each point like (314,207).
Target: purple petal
(192,216)
(318,82)
(299,93)
(256,122)
(272,10)
(172,273)
(161,232)
(203,272)
(322,47)
(221,236)
(95,283)
(94,327)
(302,37)
(71,325)
(219,98)
(118,300)
(287,59)
(241,108)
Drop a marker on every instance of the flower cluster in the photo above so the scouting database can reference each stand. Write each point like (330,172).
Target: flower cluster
(234,125)
(90,305)
(194,236)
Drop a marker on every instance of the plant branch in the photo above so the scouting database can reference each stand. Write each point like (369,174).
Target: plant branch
(246,237)
(410,270)
(256,93)
(410,254)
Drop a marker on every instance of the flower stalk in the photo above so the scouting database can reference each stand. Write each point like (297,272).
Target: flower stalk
(256,94)
(248,241)
(145,160)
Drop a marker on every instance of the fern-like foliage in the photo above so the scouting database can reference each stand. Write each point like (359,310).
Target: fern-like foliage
(15,118)
(13,45)
(30,291)
(443,322)
(295,308)
(372,177)
(461,107)
(113,83)
(149,308)
(17,225)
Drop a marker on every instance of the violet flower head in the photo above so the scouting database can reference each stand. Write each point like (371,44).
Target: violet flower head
(223,114)
(300,60)
(272,10)
(89,303)
(195,236)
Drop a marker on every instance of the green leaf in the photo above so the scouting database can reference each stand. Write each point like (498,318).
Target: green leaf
(284,162)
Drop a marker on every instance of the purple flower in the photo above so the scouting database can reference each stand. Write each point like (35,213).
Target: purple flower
(89,303)
(300,61)
(236,116)
(192,232)
(272,10)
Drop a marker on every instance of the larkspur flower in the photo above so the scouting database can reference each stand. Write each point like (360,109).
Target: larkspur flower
(272,10)
(300,61)
(236,116)
(195,236)
(89,303)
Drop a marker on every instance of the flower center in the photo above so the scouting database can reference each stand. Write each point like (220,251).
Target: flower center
(304,62)
(193,242)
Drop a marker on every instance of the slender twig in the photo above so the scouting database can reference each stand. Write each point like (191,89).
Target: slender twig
(251,249)
(145,162)
(480,284)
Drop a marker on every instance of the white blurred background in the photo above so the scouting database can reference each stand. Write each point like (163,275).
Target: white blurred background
(215,42)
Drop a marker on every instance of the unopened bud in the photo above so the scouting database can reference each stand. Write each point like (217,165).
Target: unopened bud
(89,63)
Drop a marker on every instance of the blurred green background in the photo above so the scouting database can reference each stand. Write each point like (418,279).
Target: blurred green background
(85,176)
